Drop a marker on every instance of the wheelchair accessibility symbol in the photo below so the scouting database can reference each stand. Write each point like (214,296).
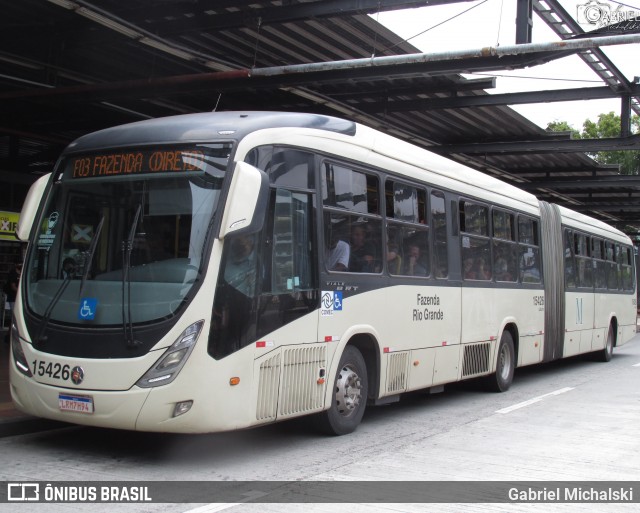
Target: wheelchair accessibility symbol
(337,300)
(87,310)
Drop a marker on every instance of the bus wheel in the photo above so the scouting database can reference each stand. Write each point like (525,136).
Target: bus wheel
(349,399)
(501,380)
(605,354)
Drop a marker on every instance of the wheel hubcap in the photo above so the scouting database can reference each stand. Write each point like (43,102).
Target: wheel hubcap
(348,391)
(505,362)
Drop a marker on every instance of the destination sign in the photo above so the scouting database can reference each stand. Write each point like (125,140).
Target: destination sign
(169,160)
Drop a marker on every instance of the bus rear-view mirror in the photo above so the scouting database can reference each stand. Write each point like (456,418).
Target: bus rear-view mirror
(246,201)
(30,207)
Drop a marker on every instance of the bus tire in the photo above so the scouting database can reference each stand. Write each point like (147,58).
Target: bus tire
(349,398)
(605,355)
(501,379)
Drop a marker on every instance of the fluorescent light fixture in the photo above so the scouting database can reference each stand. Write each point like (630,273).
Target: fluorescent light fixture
(65,3)
(159,45)
(108,22)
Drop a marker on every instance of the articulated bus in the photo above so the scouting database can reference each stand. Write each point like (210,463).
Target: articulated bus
(218,271)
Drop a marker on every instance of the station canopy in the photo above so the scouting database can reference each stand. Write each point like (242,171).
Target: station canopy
(70,67)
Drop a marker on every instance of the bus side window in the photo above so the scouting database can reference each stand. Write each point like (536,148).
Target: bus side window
(569,262)
(597,253)
(439,230)
(352,219)
(505,249)
(407,230)
(529,250)
(476,251)
(611,266)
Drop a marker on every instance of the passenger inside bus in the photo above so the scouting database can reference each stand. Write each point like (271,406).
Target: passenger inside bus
(415,265)
(394,260)
(363,251)
(337,252)
(240,270)
(468,271)
(483,272)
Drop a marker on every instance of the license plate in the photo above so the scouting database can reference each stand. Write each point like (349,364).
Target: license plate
(76,403)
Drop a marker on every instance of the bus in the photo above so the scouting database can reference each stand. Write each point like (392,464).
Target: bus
(218,271)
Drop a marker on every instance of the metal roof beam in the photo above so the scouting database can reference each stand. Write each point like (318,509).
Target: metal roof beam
(631,142)
(584,182)
(359,91)
(563,24)
(287,12)
(604,169)
(549,96)
(614,207)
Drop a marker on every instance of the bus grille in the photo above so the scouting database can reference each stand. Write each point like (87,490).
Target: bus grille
(300,389)
(397,372)
(268,388)
(476,359)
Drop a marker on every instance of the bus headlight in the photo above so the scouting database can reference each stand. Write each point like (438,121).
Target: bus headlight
(18,354)
(165,370)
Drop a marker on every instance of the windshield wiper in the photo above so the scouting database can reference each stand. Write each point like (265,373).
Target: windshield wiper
(127,247)
(89,256)
(70,273)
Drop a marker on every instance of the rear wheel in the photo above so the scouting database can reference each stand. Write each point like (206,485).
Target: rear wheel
(349,398)
(501,379)
(604,355)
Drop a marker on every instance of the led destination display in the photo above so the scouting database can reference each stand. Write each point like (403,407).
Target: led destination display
(174,160)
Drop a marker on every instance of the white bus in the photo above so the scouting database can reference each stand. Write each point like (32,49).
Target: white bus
(218,271)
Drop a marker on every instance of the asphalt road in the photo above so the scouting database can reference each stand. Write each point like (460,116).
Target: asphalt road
(573,420)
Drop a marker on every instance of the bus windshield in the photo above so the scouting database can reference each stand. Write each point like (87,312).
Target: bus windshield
(122,235)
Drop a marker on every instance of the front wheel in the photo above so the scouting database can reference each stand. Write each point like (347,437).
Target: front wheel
(501,380)
(349,398)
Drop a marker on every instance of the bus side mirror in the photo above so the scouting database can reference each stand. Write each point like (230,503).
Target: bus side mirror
(246,201)
(30,207)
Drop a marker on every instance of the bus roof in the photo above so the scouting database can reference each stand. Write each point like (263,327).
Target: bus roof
(204,127)
(589,224)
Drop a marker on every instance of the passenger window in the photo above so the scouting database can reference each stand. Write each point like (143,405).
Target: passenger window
(476,258)
(528,231)
(529,256)
(352,224)
(584,264)
(349,189)
(505,249)
(611,266)
(569,263)
(476,251)
(474,218)
(503,227)
(405,202)
(627,269)
(286,167)
(407,250)
(599,273)
(407,231)
(439,228)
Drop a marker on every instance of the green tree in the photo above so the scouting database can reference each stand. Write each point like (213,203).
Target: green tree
(607,125)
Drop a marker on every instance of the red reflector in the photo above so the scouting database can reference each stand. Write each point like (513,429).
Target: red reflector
(386,349)
(328,338)
(444,343)
(261,344)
